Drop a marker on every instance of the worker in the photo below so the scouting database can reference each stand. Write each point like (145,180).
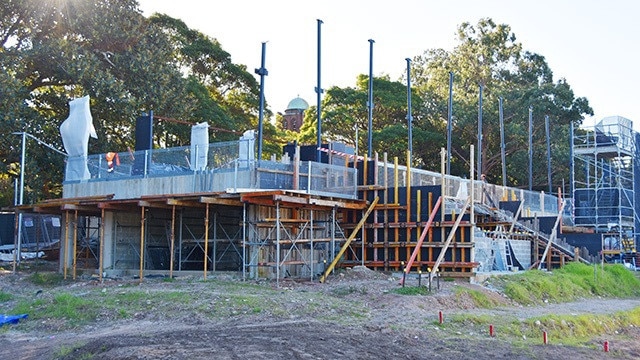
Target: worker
(483,189)
(111,157)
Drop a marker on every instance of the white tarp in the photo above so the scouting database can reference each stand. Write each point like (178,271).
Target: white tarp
(75,132)
(25,255)
(247,147)
(199,146)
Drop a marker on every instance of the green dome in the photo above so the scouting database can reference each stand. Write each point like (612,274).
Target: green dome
(297,104)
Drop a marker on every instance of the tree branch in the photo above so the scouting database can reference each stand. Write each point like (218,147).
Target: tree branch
(11,29)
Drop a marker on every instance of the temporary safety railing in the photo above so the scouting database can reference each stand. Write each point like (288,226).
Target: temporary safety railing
(535,203)
(221,167)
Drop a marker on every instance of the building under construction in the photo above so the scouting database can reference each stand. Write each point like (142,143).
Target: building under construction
(216,208)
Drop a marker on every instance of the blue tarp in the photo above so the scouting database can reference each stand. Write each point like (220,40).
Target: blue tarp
(11,319)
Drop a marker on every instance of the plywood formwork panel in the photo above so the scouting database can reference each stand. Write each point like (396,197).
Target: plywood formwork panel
(389,237)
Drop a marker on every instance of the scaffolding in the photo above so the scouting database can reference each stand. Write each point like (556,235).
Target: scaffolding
(287,219)
(603,177)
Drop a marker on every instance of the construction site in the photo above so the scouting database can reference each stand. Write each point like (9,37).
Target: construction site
(213,208)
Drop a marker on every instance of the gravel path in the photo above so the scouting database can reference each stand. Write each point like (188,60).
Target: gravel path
(584,306)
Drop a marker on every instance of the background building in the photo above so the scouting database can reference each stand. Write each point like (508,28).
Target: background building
(294,114)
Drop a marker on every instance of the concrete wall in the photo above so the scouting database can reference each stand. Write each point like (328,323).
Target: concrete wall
(522,251)
(491,253)
(132,188)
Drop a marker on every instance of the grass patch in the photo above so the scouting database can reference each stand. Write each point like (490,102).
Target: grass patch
(74,309)
(479,298)
(469,319)
(244,302)
(411,290)
(65,350)
(46,278)
(70,307)
(571,330)
(5,296)
(127,301)
(571,282)
(574,330)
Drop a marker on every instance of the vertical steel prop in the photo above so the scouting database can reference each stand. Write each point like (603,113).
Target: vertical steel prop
(449,122)
(546,127)
(530,147)
(480,172)
(502,144)
(409,116)
(318,90)
(370,100)
(262,71)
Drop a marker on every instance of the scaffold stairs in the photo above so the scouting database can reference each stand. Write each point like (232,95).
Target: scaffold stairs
(544,239)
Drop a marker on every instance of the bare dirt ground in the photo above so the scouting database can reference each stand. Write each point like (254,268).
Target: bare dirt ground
(355,314)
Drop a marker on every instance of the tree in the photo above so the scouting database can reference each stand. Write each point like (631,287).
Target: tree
(230,94)
(488,54)
(345,110)
(54,51)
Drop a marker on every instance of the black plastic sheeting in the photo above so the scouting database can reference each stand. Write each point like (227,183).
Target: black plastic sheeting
(404,236)
(7,226)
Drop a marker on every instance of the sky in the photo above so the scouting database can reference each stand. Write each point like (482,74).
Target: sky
(594,45)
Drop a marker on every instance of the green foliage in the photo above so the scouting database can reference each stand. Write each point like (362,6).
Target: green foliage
(480,299)
(136,300)
(579,328)
(411,290)
(27,307)
(67,350)
(488,54)
(70,307)
(5,296)
(345,110)
(573,281)
(46,278)
(576,330)
(231,100)
(74,309)
(468,319)
(127,63)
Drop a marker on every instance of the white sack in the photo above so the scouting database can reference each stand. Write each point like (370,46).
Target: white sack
(199,146)
(247,146)
(75,132)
